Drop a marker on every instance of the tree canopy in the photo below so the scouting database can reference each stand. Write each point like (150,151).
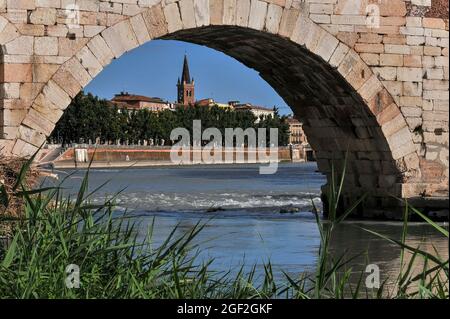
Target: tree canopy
(90,118)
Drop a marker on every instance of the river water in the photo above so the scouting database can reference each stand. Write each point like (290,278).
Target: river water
(250,218)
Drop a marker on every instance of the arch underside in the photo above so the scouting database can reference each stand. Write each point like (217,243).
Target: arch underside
(336,120)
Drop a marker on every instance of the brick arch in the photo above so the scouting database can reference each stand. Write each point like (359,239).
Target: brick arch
(304,63)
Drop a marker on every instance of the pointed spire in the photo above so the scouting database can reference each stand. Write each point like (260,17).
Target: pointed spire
(185,77)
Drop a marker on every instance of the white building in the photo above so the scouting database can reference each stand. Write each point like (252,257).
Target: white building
(258,111)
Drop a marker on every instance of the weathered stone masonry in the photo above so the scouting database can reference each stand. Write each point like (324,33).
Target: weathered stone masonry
(380,92)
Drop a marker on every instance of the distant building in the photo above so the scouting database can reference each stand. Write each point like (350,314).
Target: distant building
(186,86)
(255,109)
(140,102)
(297,138)
(296,134)
(209,102)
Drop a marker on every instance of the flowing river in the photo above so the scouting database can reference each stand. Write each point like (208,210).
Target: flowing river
(250,218)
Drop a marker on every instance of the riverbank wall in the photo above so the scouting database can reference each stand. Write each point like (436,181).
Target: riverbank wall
(144,156)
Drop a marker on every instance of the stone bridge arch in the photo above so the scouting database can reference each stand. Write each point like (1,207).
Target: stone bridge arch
(339,74)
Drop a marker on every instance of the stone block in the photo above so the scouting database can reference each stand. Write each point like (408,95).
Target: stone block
(155,21)
(68,47)
(56,95)
(173,18)
(46,46)
(428,62)
(273,18)
(67,82)
(370,38)
(111,7)
(369,47)
(325,46)
(216,11)
(371,59)
(242,12)
(140,29)
(51,114)
(414,61)
(409,74)
(28,92)
(31,135)
(10,90)
(415,40)
(435,95)
(435,85)
(22,45)
(339,55)
(394,88)
(38,122)
(89,61)
(354,70)
(187,13)
(434,73)
(229,12)
(201,11)
(78,71)
(120,38)
(433,51)
(257,17)
(15,72)
(42,72)
(57,30)
(397,49)
(23,149)
(305,32)
(412,88)
(391,60)
(13,117)
(21,4)
(6,146)
(30,29)
(101,50)
(44,16)
(392,8)
(433,23)
(412,101)
(370,88)
(90,31)
(131,9)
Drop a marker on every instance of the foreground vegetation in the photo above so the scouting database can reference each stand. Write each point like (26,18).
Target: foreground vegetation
(89,117)
(56,231)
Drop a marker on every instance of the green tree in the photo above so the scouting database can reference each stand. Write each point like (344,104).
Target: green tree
(89,118)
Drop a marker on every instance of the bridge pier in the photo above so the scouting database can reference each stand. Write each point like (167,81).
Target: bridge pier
(386,206)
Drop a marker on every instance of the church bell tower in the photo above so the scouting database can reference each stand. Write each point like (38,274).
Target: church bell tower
(185,86)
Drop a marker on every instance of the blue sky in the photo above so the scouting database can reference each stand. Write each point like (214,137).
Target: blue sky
(153,70)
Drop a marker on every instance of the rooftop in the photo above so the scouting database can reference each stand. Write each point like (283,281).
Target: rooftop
(292,120)
(126,97)
(248,106)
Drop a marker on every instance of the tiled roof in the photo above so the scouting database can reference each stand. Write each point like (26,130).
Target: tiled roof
(136,98)
(292,120)
(250,107)
(204,102)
